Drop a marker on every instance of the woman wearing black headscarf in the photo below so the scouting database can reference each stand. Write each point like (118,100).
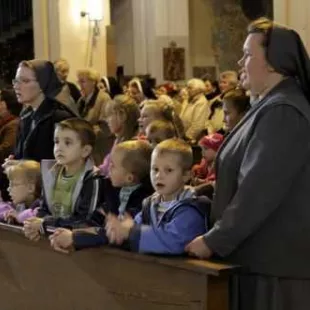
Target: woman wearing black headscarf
(35,85)
(261,206)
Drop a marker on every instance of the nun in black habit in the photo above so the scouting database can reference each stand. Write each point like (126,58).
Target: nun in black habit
(261,207)
(36,85)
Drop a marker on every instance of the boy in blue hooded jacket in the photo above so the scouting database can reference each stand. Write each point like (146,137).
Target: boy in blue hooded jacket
(173,215)
(170,218)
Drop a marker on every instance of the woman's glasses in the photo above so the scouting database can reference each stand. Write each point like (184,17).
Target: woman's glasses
(22,81)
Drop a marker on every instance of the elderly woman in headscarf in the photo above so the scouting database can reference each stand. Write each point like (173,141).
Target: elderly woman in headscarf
(261,205)
(36,85)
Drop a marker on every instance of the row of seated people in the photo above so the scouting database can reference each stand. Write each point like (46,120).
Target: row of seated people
(82,208)
(67,204)
(114,121)
(198,103)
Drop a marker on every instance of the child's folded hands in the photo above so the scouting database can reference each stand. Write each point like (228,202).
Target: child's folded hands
(118,230)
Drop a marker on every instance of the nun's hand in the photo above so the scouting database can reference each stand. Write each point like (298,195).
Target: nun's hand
(199,248)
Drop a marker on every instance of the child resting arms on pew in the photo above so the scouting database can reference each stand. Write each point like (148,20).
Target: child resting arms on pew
(25,191)
(129,170)
(71,183)
(170,218)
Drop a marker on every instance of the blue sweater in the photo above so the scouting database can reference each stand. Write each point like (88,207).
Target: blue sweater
(161,228)
(167,227)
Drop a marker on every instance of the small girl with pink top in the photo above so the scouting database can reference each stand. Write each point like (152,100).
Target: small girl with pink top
(25,191)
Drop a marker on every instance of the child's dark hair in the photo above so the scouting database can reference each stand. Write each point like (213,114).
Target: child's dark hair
(239,99)
(83,129)
(167,112)
(164,127)
(137,157)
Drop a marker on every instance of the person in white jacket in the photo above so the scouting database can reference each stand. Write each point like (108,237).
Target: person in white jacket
(195,112)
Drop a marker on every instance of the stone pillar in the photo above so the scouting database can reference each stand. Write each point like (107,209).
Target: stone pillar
(61,32)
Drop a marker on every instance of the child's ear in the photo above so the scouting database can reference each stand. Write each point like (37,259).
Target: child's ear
(86,151)
(130,178)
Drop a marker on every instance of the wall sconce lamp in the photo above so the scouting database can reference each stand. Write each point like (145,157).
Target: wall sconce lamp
(95,17)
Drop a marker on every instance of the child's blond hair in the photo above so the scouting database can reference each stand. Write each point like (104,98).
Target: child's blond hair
(177,147)
(29,170)
(136,157)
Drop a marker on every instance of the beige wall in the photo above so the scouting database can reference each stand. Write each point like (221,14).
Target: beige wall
(61,32)
(170,23)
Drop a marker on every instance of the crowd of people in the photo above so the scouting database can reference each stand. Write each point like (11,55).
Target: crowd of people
(105,163)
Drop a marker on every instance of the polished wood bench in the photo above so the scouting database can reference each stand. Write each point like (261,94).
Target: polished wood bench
(33,276)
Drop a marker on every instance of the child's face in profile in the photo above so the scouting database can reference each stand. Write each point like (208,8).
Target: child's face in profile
(167,174)
(231,115)
(115,122)
(68,148)
(208,154)
(147,115)
(20,190)
(118,174)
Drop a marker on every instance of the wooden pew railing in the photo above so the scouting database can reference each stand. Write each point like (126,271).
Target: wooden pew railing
(33,276)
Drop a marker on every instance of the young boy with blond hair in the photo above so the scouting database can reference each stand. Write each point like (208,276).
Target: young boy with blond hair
(172,216)
(129,171)
(71,183)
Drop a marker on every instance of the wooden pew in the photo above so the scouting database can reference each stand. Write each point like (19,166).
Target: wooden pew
(33,276)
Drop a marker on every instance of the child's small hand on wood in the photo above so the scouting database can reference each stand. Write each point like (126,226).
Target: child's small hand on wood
(62,240)
(10,216)
(32,228)
(118,230)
